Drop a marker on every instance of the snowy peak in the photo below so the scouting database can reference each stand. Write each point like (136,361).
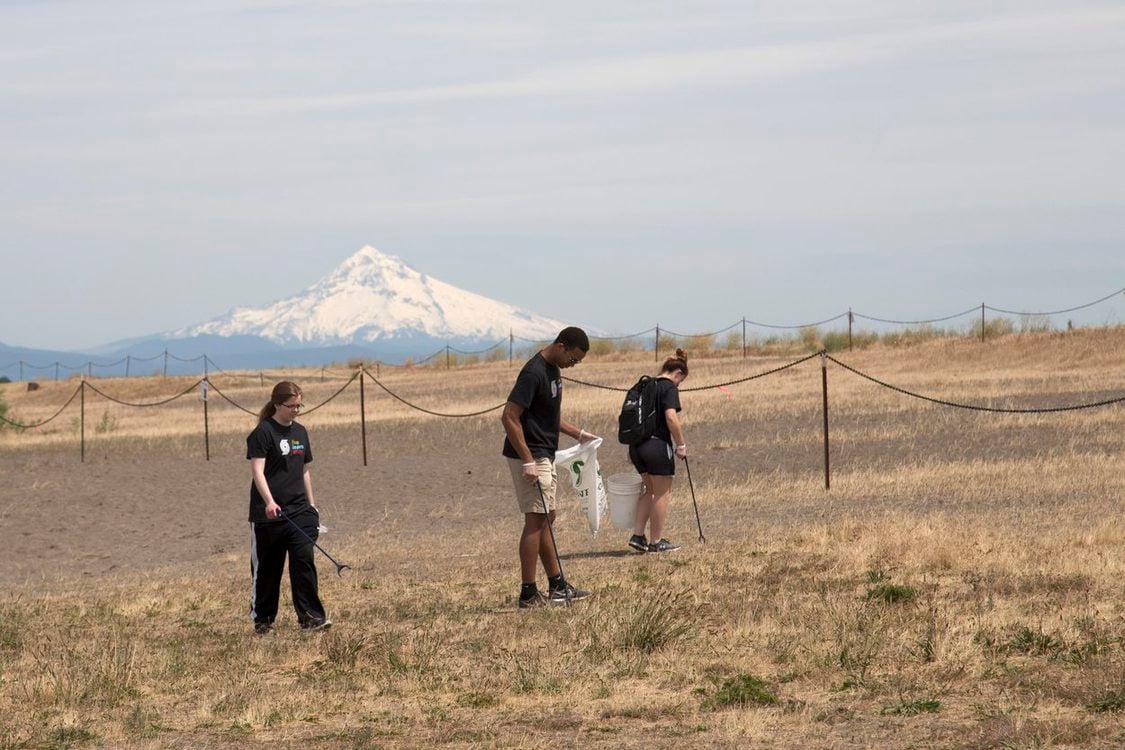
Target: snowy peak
(367,265)
(370,269)
(372,297)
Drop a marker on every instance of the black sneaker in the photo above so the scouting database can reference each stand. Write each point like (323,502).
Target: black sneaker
(262,628)
(638,542)
(534,601)
(568,593)
(663,546)
(315,624)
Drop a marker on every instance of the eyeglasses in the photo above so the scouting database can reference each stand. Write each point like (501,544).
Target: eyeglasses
(294,407)
(569,360)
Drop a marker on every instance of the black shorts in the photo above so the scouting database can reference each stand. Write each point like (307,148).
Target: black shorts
(654,456)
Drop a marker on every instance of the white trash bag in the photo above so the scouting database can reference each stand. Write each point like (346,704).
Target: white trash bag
(580,462)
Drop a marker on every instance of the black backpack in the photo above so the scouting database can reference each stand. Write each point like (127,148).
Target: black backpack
(637,422)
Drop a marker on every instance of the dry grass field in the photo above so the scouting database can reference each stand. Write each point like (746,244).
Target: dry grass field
(962,585)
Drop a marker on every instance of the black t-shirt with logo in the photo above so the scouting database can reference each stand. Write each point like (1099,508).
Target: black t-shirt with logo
(286,450)
(667,397)
(538,390)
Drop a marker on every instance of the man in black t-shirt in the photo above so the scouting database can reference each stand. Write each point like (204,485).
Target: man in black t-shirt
(532,422)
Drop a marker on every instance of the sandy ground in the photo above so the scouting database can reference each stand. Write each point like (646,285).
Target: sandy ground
(131,511)
(132,507)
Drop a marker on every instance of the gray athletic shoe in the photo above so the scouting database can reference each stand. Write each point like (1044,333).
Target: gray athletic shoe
(663,546)
(568,593)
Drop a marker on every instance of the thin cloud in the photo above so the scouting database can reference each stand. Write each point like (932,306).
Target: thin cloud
(716,68)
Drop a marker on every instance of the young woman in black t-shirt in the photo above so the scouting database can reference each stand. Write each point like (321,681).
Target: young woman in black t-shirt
(654,459)
(280,489)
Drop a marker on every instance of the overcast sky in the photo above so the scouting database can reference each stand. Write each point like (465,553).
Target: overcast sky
(617,164)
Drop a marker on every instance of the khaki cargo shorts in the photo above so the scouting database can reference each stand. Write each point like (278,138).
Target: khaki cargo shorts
(526,494)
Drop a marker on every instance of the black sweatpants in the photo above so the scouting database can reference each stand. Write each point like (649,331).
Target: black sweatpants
(269,544)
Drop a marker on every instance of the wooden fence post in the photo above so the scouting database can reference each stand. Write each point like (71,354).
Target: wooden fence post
(362,416)
(206,424)
(824,389)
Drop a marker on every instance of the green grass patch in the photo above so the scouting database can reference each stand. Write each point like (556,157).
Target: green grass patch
(1111,703)
(877,574)
(892,593)
(913,708)
(1024,640)
(342,651)
(741,691)
(658,622)
(67,737)
(477,700)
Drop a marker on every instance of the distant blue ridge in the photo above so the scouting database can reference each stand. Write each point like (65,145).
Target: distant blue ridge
(224,352)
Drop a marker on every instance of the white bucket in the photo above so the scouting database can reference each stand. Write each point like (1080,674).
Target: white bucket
(623,491)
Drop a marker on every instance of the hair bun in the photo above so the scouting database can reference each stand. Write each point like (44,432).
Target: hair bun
(681,354)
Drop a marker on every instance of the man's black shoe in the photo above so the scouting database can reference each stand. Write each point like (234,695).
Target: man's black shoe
(534,601)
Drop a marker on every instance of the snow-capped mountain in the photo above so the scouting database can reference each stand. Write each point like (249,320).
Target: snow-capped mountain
(373,298)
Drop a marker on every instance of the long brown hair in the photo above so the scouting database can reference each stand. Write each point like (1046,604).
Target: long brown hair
(282,392)
(677,363)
